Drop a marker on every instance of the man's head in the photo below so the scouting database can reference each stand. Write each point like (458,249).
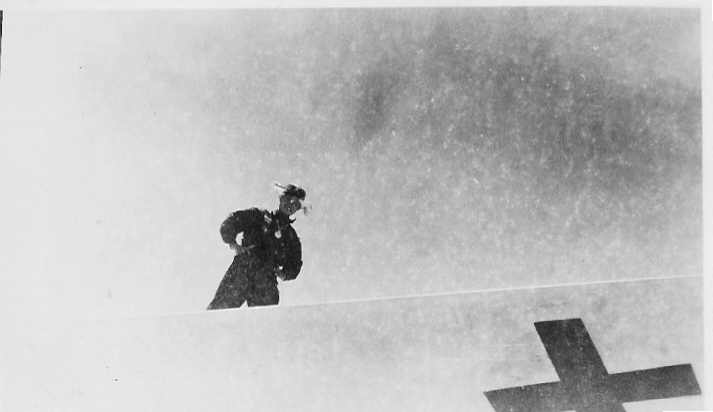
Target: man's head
(291,199)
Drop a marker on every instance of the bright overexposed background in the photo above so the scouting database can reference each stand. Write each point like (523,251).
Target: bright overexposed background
(442,150)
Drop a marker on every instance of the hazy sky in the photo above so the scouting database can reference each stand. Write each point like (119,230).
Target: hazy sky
(127,137)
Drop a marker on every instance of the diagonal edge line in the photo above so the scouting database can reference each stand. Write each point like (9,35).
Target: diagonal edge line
(508,289)
(408,297)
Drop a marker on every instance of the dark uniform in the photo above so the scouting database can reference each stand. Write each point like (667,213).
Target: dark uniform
(273,249)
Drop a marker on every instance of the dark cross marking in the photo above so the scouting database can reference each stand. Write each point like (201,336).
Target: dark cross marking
(585,385)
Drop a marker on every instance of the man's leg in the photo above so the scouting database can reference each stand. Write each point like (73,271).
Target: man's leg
(264,290)
(232,290)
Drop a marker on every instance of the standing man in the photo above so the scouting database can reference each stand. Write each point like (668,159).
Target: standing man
(270,248)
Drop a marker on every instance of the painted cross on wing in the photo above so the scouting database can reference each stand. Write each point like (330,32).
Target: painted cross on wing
(585,385)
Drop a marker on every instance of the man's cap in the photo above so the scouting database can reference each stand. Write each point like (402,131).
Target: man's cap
(291,190)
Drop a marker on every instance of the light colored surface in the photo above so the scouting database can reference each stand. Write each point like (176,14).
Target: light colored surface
(124,143)
(411,354)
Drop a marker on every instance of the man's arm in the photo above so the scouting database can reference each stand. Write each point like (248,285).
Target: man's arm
(237,222)
(293,258)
